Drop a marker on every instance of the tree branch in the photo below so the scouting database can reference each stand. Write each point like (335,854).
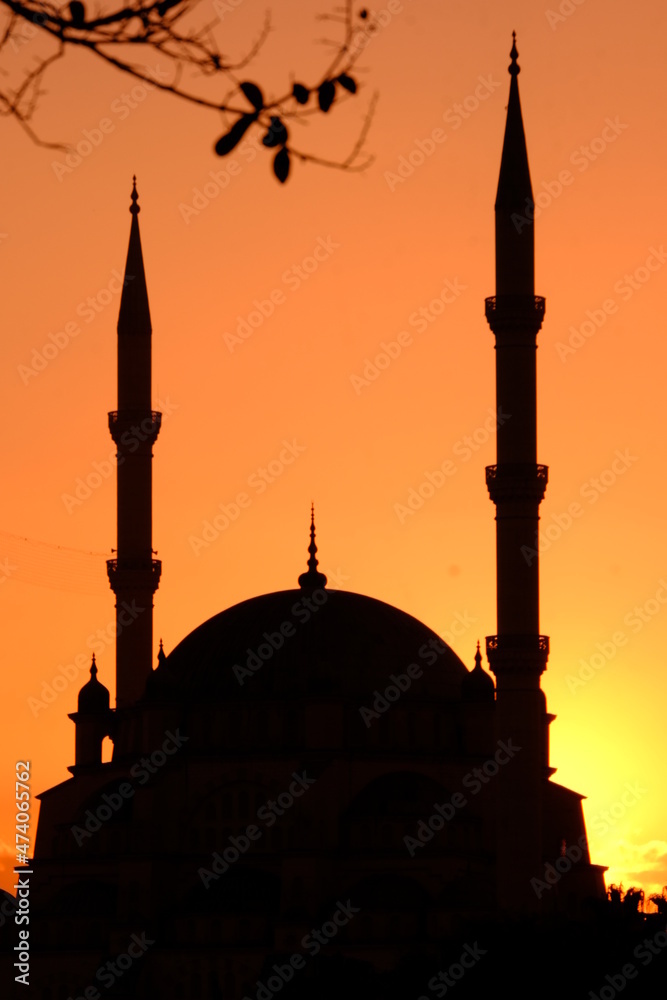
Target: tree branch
(168,28)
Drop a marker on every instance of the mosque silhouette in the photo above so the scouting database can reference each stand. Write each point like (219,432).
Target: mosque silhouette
(311,793)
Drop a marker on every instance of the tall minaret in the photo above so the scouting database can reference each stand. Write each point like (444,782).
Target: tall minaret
(518,653)
(134,574)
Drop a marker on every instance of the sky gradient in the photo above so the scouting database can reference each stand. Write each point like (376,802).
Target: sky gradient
(326,341)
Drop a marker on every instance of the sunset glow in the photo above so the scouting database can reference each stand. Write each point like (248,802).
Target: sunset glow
(325,340)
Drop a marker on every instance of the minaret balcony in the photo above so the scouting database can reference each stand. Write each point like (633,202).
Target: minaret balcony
(516,313)
(131,428)
(517,481)
(517,652)
(134,574)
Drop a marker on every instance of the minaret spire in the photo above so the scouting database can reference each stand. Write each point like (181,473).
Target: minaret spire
(134,315)
(134,574)
(518,653)
(515,206)
(313,579)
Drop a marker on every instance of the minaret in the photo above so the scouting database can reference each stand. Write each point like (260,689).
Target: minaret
(134,574)
(518,653)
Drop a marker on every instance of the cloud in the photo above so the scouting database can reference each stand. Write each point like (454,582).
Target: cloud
(642,865)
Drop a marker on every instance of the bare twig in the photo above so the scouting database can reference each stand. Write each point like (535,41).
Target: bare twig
(168,29)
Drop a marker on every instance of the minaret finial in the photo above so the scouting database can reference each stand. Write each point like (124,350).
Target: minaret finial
(514,68)
(93,668)
(313,578)
(134,207)
(478,658)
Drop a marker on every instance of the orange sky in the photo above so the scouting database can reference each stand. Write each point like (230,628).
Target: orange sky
(592,87)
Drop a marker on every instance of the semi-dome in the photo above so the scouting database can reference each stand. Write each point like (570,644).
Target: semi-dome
(310,641)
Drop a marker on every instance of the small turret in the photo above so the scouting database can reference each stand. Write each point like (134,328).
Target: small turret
(93,721)
(478,686)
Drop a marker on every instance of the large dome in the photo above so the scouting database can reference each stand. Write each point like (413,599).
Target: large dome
(308,642)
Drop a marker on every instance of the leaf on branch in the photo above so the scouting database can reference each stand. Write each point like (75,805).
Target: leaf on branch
(281,164)
(166,5)
(326,94)
(227,142)
(348,82)
(300,93)
(254,95)
(277,133)
(77,13)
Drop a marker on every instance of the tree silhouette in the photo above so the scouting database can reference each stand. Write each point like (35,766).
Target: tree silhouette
(659,900)
(38,33)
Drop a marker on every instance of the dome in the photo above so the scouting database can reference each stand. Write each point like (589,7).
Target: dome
(308,642)
(93,696)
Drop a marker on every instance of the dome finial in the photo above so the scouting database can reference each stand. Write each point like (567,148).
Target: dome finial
(478,657)
(313,578)
(514,68)
(134,207)
(93,667)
